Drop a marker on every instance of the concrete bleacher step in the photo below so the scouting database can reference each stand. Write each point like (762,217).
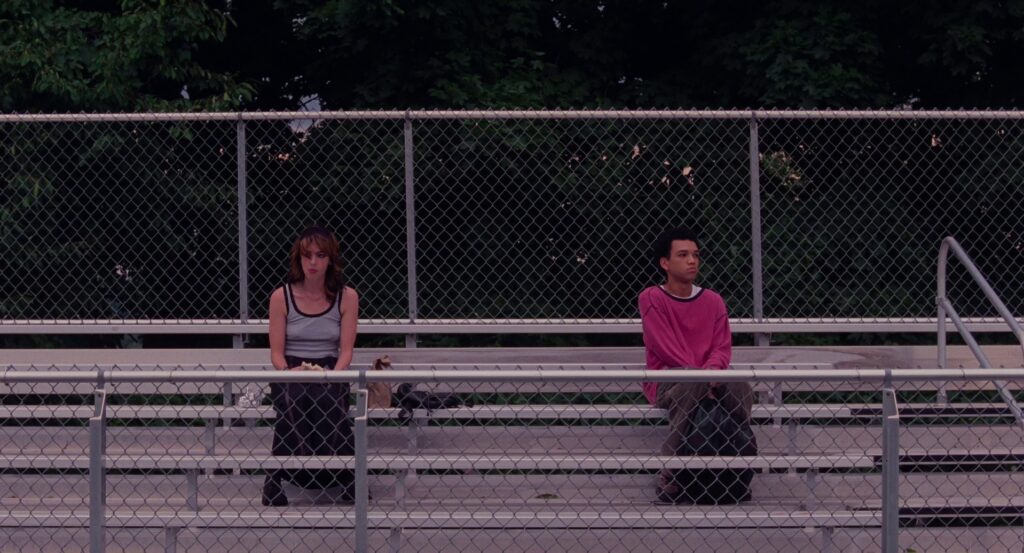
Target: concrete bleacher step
(462,516)
(529,388)
(29,539)
(949,509)
(669,517)
(959,511)
(564,412)
(811,440)
(445,462)
(765,519)
(840,357)
(851,488)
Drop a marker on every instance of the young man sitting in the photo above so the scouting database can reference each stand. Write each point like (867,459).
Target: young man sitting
(685,327)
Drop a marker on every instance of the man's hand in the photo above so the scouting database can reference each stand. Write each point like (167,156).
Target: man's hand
(714,384)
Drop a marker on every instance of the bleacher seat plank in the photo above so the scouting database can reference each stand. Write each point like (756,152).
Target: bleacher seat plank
(459,461)
(589,540)
(934,440)
(835,356)
(651,518)
(567,412)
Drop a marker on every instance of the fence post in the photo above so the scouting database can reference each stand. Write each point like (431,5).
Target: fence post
(410,227)
(760,338)
(890,467)
(97,478)
(362,484)
(243,232)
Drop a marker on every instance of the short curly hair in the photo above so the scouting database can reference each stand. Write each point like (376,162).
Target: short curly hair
(662,246)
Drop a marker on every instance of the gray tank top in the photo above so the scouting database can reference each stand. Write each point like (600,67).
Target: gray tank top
(312,335)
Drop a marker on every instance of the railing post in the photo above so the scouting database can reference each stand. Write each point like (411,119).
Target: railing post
(940,295)
(760,338)
(243,232)
(946,309)
(983,360)
(410,226)
(941,395)
(890,467)
(97,476)
(362,484)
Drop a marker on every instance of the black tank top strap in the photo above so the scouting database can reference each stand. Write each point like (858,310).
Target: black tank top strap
(288,303)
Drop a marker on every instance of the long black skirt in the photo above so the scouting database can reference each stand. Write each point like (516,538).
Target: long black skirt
(312,419)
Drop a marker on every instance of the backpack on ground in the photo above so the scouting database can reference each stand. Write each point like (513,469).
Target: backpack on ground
(715,432)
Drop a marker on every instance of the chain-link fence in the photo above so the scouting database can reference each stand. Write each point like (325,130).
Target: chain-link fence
(515,458)
(503,217)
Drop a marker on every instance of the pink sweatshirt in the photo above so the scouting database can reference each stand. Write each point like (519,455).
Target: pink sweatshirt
(684,333)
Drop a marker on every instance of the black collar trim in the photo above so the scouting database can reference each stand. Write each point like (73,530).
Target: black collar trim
(300,312)
(675,297)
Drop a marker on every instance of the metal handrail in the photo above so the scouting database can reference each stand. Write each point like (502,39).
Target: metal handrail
(27,376)
(945,307)
(582,114)
(738,325)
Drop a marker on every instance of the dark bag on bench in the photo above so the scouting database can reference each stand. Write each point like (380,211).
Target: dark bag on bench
(409,399)
(716,432)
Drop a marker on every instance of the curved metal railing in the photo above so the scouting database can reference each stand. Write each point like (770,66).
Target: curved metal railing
(946,308)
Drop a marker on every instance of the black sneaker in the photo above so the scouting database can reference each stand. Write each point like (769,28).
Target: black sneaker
(273,495)
(667,489)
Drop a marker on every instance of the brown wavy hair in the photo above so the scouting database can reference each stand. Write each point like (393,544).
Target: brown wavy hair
(334,279)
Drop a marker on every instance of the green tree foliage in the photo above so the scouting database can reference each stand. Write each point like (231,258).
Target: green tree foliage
(627,53)
(110,56)
(141,54)
(100,220)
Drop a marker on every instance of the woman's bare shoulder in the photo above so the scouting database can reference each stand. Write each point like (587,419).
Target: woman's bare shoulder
(349,292)
(277,295)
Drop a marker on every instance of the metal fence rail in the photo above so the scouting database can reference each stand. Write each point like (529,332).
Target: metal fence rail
(521,221)
(559,459)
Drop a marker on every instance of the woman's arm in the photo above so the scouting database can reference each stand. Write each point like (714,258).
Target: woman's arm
(278,322)
(349,320)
